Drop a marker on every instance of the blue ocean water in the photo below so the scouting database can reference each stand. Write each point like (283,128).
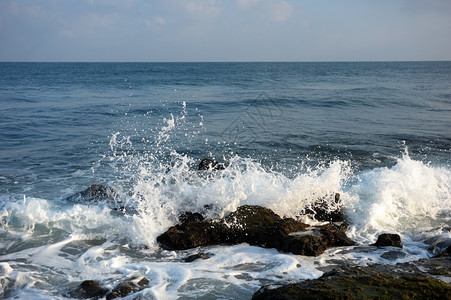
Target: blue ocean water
(377,132)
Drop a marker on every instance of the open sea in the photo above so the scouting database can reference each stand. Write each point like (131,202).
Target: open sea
(378,133)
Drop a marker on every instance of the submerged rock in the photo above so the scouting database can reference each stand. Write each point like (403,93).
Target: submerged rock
(96,192)
(89,289)
(210,164)
(447,251)
(197,256)
(388,239)
(439,244)
(393,255)
(401,281)
(258,226)
(127,288)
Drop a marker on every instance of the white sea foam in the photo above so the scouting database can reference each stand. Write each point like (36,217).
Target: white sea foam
(72,242)
(46,243)
(410,196)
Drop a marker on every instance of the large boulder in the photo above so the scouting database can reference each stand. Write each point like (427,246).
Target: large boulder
(388,239)
(258,226)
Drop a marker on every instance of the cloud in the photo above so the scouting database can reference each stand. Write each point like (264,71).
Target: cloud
(202,8)
(280,11)
(245,4)
(155,22)
(32,11)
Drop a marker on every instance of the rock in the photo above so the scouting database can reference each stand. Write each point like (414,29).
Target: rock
(127,288)
(388,239)
(89,289)
(258,226)
(316,240)
(327,209)
(95,192)
(401,281)
(197,256)
(210,164)
(190,217)
(393,255)
(309,243)
(447,251)
(121,290)
(92,289)
(439,245)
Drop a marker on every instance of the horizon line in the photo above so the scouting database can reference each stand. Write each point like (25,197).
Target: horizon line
(263,61)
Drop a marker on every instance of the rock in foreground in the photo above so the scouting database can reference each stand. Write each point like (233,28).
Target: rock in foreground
(257,226)
(96,192)
(402,281)
(388,239)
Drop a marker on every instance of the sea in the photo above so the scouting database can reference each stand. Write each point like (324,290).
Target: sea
(377,133)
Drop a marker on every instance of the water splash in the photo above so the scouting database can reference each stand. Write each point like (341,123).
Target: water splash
(411,195)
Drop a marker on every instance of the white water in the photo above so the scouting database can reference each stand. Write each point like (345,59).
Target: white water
(49,246)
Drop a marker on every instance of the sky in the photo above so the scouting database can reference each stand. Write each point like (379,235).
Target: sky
(224,30)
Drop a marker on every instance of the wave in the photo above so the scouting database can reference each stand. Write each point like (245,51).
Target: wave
(410,196)
(48,243)
(158,182)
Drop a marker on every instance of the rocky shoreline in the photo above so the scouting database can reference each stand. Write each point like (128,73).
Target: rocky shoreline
(259,226)
(423,279)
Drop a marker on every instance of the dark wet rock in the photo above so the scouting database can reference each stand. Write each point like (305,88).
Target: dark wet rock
(210,164)
(258,226)
(447,251)
(415,280)
(438,267)
(89,289)
(190,217)
(335,233)
(388,239)
(197,256)
(316,240)
(439,244)
(127,288)
(327,209)
(95,192)
(393,255)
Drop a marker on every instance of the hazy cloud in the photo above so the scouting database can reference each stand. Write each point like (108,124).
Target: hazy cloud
(245,4)
(280,11)
(155,22)
(202,8)
(199,30)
